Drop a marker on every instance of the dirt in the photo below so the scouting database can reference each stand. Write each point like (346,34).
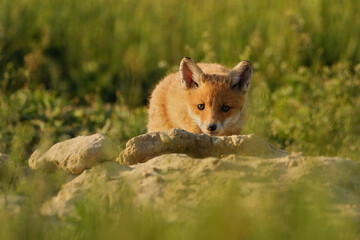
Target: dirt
(189,169)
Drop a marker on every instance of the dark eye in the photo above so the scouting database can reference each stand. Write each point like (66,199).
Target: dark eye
(201,107)
(225,108)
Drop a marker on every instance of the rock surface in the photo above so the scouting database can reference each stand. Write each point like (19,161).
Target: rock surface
(76,154)
(144,147)
(174,182)
(83,152)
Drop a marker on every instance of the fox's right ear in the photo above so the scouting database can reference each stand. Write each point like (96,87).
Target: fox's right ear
(240,76)
(191,74)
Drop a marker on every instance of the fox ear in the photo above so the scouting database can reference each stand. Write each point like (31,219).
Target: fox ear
(239,77)
(191,74)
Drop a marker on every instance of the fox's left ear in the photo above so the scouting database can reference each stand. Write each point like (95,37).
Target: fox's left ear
(191,74)
(240,76)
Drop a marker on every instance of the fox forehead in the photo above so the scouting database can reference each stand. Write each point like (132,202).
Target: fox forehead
(216,78)
(213,92)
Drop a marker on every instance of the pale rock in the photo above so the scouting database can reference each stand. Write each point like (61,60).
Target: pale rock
(175,171)
(174,184)
(146,146)
(76,154)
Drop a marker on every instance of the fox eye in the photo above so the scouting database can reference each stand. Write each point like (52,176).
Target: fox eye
(225,108)
(201,107)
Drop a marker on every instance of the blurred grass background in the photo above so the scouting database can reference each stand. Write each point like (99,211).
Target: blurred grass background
(79,67)
(68,68)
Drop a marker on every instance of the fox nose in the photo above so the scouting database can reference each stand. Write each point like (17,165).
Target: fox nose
(211,127)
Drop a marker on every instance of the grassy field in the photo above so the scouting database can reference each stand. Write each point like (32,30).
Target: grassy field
(73,67)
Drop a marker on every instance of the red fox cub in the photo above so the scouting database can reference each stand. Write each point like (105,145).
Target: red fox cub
(201,98)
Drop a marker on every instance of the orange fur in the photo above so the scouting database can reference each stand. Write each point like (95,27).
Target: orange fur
(175,101)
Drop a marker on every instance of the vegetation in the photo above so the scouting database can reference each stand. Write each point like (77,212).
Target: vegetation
(73,67)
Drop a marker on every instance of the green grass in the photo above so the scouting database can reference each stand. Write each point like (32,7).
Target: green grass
(305,54)
(102,46)
(299,213)
(72,67)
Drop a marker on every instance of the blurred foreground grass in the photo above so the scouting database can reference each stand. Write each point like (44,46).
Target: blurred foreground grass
(72,67)
(301,212)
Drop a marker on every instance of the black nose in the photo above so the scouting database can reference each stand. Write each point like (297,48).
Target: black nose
(211,127)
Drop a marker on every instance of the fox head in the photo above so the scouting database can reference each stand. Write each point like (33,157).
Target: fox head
(216,102)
